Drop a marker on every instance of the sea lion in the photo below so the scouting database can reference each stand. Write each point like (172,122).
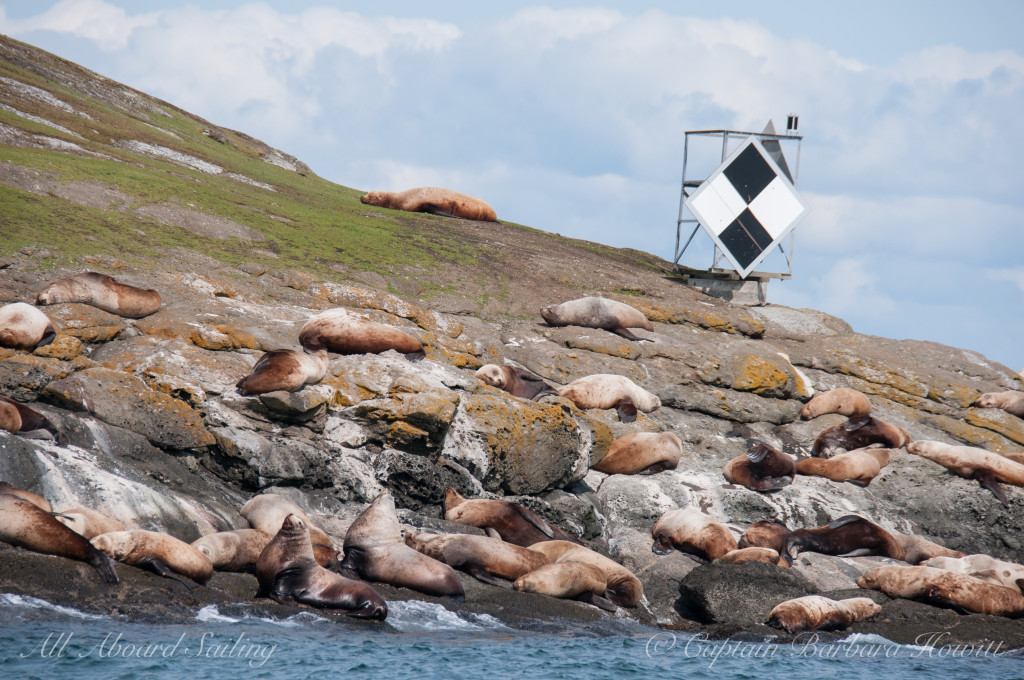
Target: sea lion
(960,592)
(754,554)
(766,533)
(25,524)
(624,588)
(25,495)
(433,200)
(598,312)
(898,580)
(568,580)
(990,469)
(88,522)
(692,532)
(845,536)
(642,453)
(10,419)
(287,572)
(160,553)
(858,467)
(28,420)
(1009,401)
(103,292)
(842,400)
(604,390)
(859,432)
(374,549)
(517,381)
(984,567)
(814,612)
(917,549)
(266,513)
(342,332)
(237,550)
(284,369)
(22,326)
(761,468)
(482,557)
(510,522)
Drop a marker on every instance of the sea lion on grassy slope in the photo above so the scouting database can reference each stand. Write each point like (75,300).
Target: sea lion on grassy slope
(984,567)
(288,573)
(642,453)
(766,533)
(88,522)
(1010,401)
(859,432)
(960,592)
(510,522)
(284,369)
(517,381)
(814,612)
(624,588)
(842,400)
(858,467)
(754,554)
(374,549)
(33,498)
(990,469)
(845,536)
(692,532)
(484,558)
(568,580)
(598,312)
(604,390)
(22,326)
(103,292)
(342,332)
(433,200)
(28,420)
(917,549)
(161,553)
(25,524)
(761,468)
(237,550)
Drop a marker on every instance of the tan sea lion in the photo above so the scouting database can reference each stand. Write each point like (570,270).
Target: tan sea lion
(766,533)
(642,453)
(960,592)
(25,524)
(598,312)
(984,567)
(103,292)
(482,557)
(88,522)
(374,549)
(510,522)
(287,572)
(859,432)
(604,390)
(990,469)
(624,588)
(284,369)
(237,550)
(160,553)
(22,326)
(1009,401)
(266,513)
(814,612)
(517,381)
(917,549)
(433,200)
(842,400)
(10,419)
(744,555)
(761,468)
(25,495)
(692,532)
(898,580)
(342,332)
(848,535)
(567,580)
(28,420)
(858,467)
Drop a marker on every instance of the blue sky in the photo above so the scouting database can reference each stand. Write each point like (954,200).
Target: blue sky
(569,117)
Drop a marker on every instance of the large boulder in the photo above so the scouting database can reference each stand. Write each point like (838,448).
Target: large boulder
(742,594)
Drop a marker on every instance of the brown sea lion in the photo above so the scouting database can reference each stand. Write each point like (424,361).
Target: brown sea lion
(28,420)
(22,326)
(287,572)
(766,533)
(433,200)
(624,588)
(342,332)
(10,419)
(598,312)
(849,535)
(604,390)
(374,549)
(814,612)
(266,513)
(103,292)
(898,580)
(990,469)
(237,550)
(26,495)
(984,567)
(568,580)
(845,401)
(161,553)
(510,522)
(858,467)
(642,453)
(859,432)
(88,522)
(744,555)
(761,468)
(960,592)
(284,369)
(917,549)
(1009,401)
(482,557)
(692,532)
(517,381)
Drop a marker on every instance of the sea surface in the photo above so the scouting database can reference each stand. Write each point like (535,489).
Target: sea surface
(424,641)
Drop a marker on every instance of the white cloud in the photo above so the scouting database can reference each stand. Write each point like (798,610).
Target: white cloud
(108,26)
(1013,276)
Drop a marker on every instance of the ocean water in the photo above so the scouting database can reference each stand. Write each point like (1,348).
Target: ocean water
(423,641)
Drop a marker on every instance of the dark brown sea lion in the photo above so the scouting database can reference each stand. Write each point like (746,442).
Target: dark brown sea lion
(845,536)
(642,453)
(598,312)
(517,381)
(568,580)
(990,469)
(917,549)
(288,573)
(26,495)
(485,558)
(103,292)
(237,550)
(22,326)
(88,522)
(762,468)
(161,553)
(25,524)
(842,400)
(692,532)
(858,467)
(28,420)
(624,588)
(766,533)
(342,332)
(433,200)
(501,519)
(858,433)
(1009,401)
(284,369)
(814,612)
(604,390)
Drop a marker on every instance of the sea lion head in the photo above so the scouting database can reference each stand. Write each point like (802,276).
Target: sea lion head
(293,524)
(452,499)
(552,315)
(492,375)
(373,198)
(986,400)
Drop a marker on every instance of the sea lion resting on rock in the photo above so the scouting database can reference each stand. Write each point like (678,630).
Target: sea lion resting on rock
(984,567)
(22,326)
(598,312)
(266,513)
(960,592)
(624,588)
(103,292)
(814,612)
(692,532)
(849,535)
(485,558)
(25,495)
(237,550)
(842,400)
(433,200)
(569,580)
(88,522)
(761,468)
(16,417)
(642,453)
(161,553)
(517,381)
(604,390)
(744,555)
(501,519)
(858,433)
(1010,401)
(858,467)
(917,549)
(766,533)
(342,332)
(284,369)
(990,469)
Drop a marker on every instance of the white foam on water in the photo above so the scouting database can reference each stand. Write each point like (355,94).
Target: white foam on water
(211,613)
(27,602)
(413,615)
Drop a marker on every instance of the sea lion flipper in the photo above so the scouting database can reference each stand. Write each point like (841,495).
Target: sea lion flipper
(626,333)
(416,356)
(933,597)
(598,601)
(626,410)
(657,467)
(858,482)
(484,576)
(843,521)
(536,521)
(774,483)
(988,481)
(493,533)
(158,567)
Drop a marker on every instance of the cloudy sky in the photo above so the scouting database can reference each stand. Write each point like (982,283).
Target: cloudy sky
(570,117)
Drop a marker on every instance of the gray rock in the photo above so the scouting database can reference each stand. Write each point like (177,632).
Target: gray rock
(418,482)
(743,594)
